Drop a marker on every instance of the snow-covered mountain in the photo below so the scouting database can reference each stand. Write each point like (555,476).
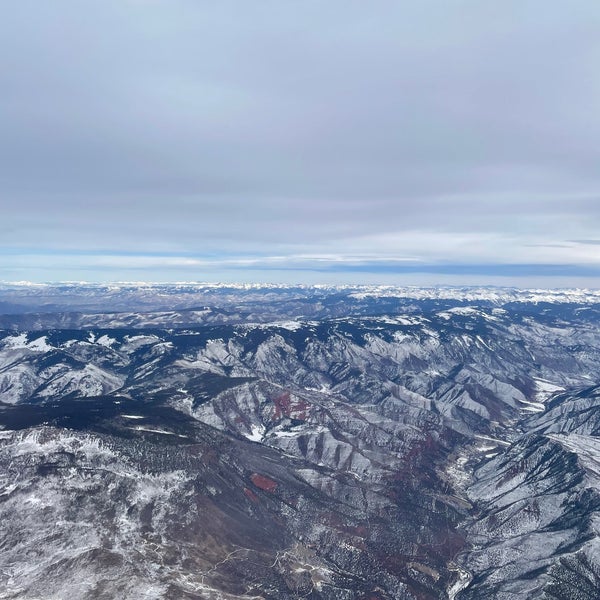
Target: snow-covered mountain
(196,441)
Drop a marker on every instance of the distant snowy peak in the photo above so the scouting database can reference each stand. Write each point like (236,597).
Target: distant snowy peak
(465,293)
(491,294)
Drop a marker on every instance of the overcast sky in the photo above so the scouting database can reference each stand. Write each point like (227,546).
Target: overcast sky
(411,142)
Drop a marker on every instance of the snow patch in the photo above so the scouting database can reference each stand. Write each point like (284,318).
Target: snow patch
(40,345)
(21,341)
(105,341)
(162,431)
(544,389)
(257,432)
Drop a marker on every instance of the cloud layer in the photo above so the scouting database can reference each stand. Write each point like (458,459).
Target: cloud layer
(189,137)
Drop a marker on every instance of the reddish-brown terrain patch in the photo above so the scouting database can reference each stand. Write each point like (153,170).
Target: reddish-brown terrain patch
(263,483)
(250,494)
(291,407)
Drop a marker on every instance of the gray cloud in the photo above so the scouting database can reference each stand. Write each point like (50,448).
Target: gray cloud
(587,242)
(434,130)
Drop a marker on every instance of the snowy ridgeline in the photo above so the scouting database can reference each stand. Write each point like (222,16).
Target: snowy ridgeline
(263,302)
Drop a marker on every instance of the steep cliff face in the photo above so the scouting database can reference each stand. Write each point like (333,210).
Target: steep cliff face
(417,447)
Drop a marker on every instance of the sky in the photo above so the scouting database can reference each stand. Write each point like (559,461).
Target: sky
(409,142)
